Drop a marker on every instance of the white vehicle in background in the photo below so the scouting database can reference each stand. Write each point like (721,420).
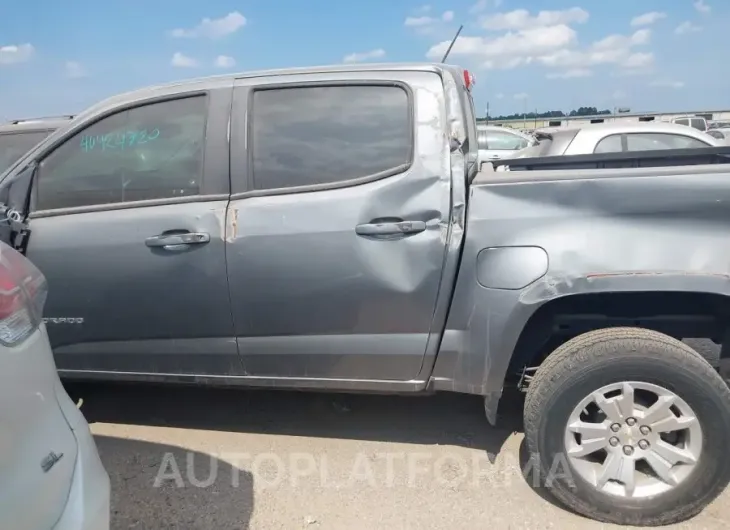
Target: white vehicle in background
(497,142)
(696,122)
(51,476)
(617,137)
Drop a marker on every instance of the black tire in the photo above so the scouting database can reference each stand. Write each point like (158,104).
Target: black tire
(598,358)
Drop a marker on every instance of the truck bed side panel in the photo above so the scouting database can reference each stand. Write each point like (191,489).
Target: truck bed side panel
(609,230)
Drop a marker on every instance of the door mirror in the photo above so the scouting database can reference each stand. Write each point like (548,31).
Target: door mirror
(15,191)
(15,198)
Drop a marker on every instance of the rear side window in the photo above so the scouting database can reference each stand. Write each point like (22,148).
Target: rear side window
(682,121)
(653,142)
(15,145)
(150,152)
(306,136)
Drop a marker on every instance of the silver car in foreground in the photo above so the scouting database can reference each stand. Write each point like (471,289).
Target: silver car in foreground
(50,472)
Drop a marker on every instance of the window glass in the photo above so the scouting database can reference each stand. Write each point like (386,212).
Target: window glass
(482,140)
(149,152)
(504,141)
(610,144)
(698,124)
(15,145)
(323,135)
(682,121)
(653,142)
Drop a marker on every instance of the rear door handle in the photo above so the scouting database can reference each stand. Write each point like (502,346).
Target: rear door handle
(177,241)
(390,229)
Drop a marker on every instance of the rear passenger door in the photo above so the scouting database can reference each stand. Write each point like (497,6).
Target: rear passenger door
(339,209)
(127,221)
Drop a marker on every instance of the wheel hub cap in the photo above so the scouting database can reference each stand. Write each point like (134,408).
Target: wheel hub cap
(633,439)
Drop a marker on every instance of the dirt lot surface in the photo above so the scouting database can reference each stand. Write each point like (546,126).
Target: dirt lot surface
(216,459)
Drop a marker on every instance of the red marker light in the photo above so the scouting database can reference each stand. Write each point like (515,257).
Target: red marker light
(468,79)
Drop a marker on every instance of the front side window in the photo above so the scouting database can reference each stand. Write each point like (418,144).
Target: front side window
(15,145)
(150,152)
(306,136)
(653,142)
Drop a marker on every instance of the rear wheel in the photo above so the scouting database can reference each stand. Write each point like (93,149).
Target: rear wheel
(629,426)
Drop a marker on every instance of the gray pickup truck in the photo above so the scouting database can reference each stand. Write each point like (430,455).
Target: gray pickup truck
(328,228)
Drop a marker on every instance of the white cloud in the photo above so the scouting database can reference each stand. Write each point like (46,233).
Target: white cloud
(647,19)
(13,54)
(183,61)
(213,28)
(364,56)
(619,94)
(75,70)
(667,83)
(521,96)
(424,22)
(512,49)
(702,6)
(419,21)
(614,49)
(638,60)
(521,19)
(224,61)
(571,74)
(687,27)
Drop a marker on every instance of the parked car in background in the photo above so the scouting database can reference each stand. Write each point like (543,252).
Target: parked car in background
(315,228)
(17,137)
(50,473)
(617,137)
(696,122)
(498,142)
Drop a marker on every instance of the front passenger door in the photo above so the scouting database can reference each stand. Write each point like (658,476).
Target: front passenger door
(127,225)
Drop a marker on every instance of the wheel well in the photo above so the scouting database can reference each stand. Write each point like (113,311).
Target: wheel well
(678,314)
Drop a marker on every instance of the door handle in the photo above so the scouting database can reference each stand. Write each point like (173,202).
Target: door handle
(177,241)
(390,228)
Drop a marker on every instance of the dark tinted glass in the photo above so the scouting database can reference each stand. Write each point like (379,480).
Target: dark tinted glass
(15,145)
(698,124)
(323,135)
(149,152)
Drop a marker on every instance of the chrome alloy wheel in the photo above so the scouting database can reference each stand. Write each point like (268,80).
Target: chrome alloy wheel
(633,439)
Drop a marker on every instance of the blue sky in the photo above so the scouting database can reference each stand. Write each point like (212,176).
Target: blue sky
(59,57)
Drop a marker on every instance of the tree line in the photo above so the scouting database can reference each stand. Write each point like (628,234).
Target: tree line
(581,111)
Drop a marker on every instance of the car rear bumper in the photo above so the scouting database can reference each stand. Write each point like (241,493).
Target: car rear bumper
(87,507)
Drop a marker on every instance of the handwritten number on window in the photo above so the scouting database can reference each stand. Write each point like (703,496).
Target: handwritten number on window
(118,141)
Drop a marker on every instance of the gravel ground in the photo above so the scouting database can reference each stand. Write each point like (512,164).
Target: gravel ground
(194,458)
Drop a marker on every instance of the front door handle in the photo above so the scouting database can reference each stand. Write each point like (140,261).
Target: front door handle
(399,228)
(177,241)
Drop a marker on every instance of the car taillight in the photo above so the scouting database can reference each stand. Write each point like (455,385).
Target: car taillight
(23,293)
(468,79)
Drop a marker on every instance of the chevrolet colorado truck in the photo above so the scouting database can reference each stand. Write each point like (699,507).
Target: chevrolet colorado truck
(329,228)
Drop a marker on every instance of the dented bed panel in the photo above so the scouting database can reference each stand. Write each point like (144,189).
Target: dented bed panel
(606,231)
